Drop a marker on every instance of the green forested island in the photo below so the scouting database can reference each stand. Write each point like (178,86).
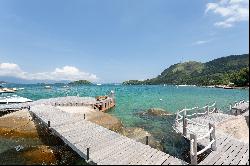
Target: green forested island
(222,71)
(80,82)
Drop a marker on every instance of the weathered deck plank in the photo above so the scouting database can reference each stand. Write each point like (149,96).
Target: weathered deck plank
(240,155)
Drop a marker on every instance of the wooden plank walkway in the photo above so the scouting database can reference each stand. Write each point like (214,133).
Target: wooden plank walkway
(240,108)
(105,147)
(230,151)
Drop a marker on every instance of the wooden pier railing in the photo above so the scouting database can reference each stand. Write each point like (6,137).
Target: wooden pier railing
(193,144)
(184,120)
(239,107)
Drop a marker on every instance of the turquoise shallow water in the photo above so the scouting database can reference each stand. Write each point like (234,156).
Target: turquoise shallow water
(134,99)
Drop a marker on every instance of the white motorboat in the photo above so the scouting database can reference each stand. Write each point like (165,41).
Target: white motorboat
(13,99)
(47,87)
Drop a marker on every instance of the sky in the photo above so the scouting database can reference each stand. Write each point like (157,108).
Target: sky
(110,41)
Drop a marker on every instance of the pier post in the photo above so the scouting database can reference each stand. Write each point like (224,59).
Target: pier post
(48,123)
(185,123)
(212,136)
(87,154)
(176,119)
(207,109)
(193,149)
(146,140)
(215,110)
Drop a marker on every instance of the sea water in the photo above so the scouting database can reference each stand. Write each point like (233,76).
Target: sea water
(132,100)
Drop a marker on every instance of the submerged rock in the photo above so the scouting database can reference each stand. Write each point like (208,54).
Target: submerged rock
(139,135)
(18,125)
(23,141)
(155,112)
(105,120)
(39,154)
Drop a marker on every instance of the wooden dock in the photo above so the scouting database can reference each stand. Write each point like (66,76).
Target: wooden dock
(96,144)
(239,107)
(200,128)
(103,103)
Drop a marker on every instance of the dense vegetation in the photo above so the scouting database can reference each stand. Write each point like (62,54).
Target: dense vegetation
(232,69)
(80,82)
(240,78)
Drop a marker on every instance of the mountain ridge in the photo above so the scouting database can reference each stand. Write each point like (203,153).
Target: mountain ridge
(214,72)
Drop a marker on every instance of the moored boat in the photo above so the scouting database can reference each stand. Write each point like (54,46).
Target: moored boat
(47,87)
(13,99)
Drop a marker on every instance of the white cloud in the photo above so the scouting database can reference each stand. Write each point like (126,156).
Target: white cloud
(11,69)
(231,11)
(200,42)
(65,73)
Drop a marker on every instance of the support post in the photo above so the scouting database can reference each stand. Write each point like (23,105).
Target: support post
(84,116)
(48,123)
(176,119)
(212,136)
(216,110)
(207,109)
(87,154)
(185,123)
(193,149)
(146,140)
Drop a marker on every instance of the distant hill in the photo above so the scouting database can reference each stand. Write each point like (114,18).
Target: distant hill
(217,71)
(3,82)
(80,82)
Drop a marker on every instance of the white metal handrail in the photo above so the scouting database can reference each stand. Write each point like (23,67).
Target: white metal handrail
(194,141)
(190,109)
(179,123)
(206,148)
(213,105)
